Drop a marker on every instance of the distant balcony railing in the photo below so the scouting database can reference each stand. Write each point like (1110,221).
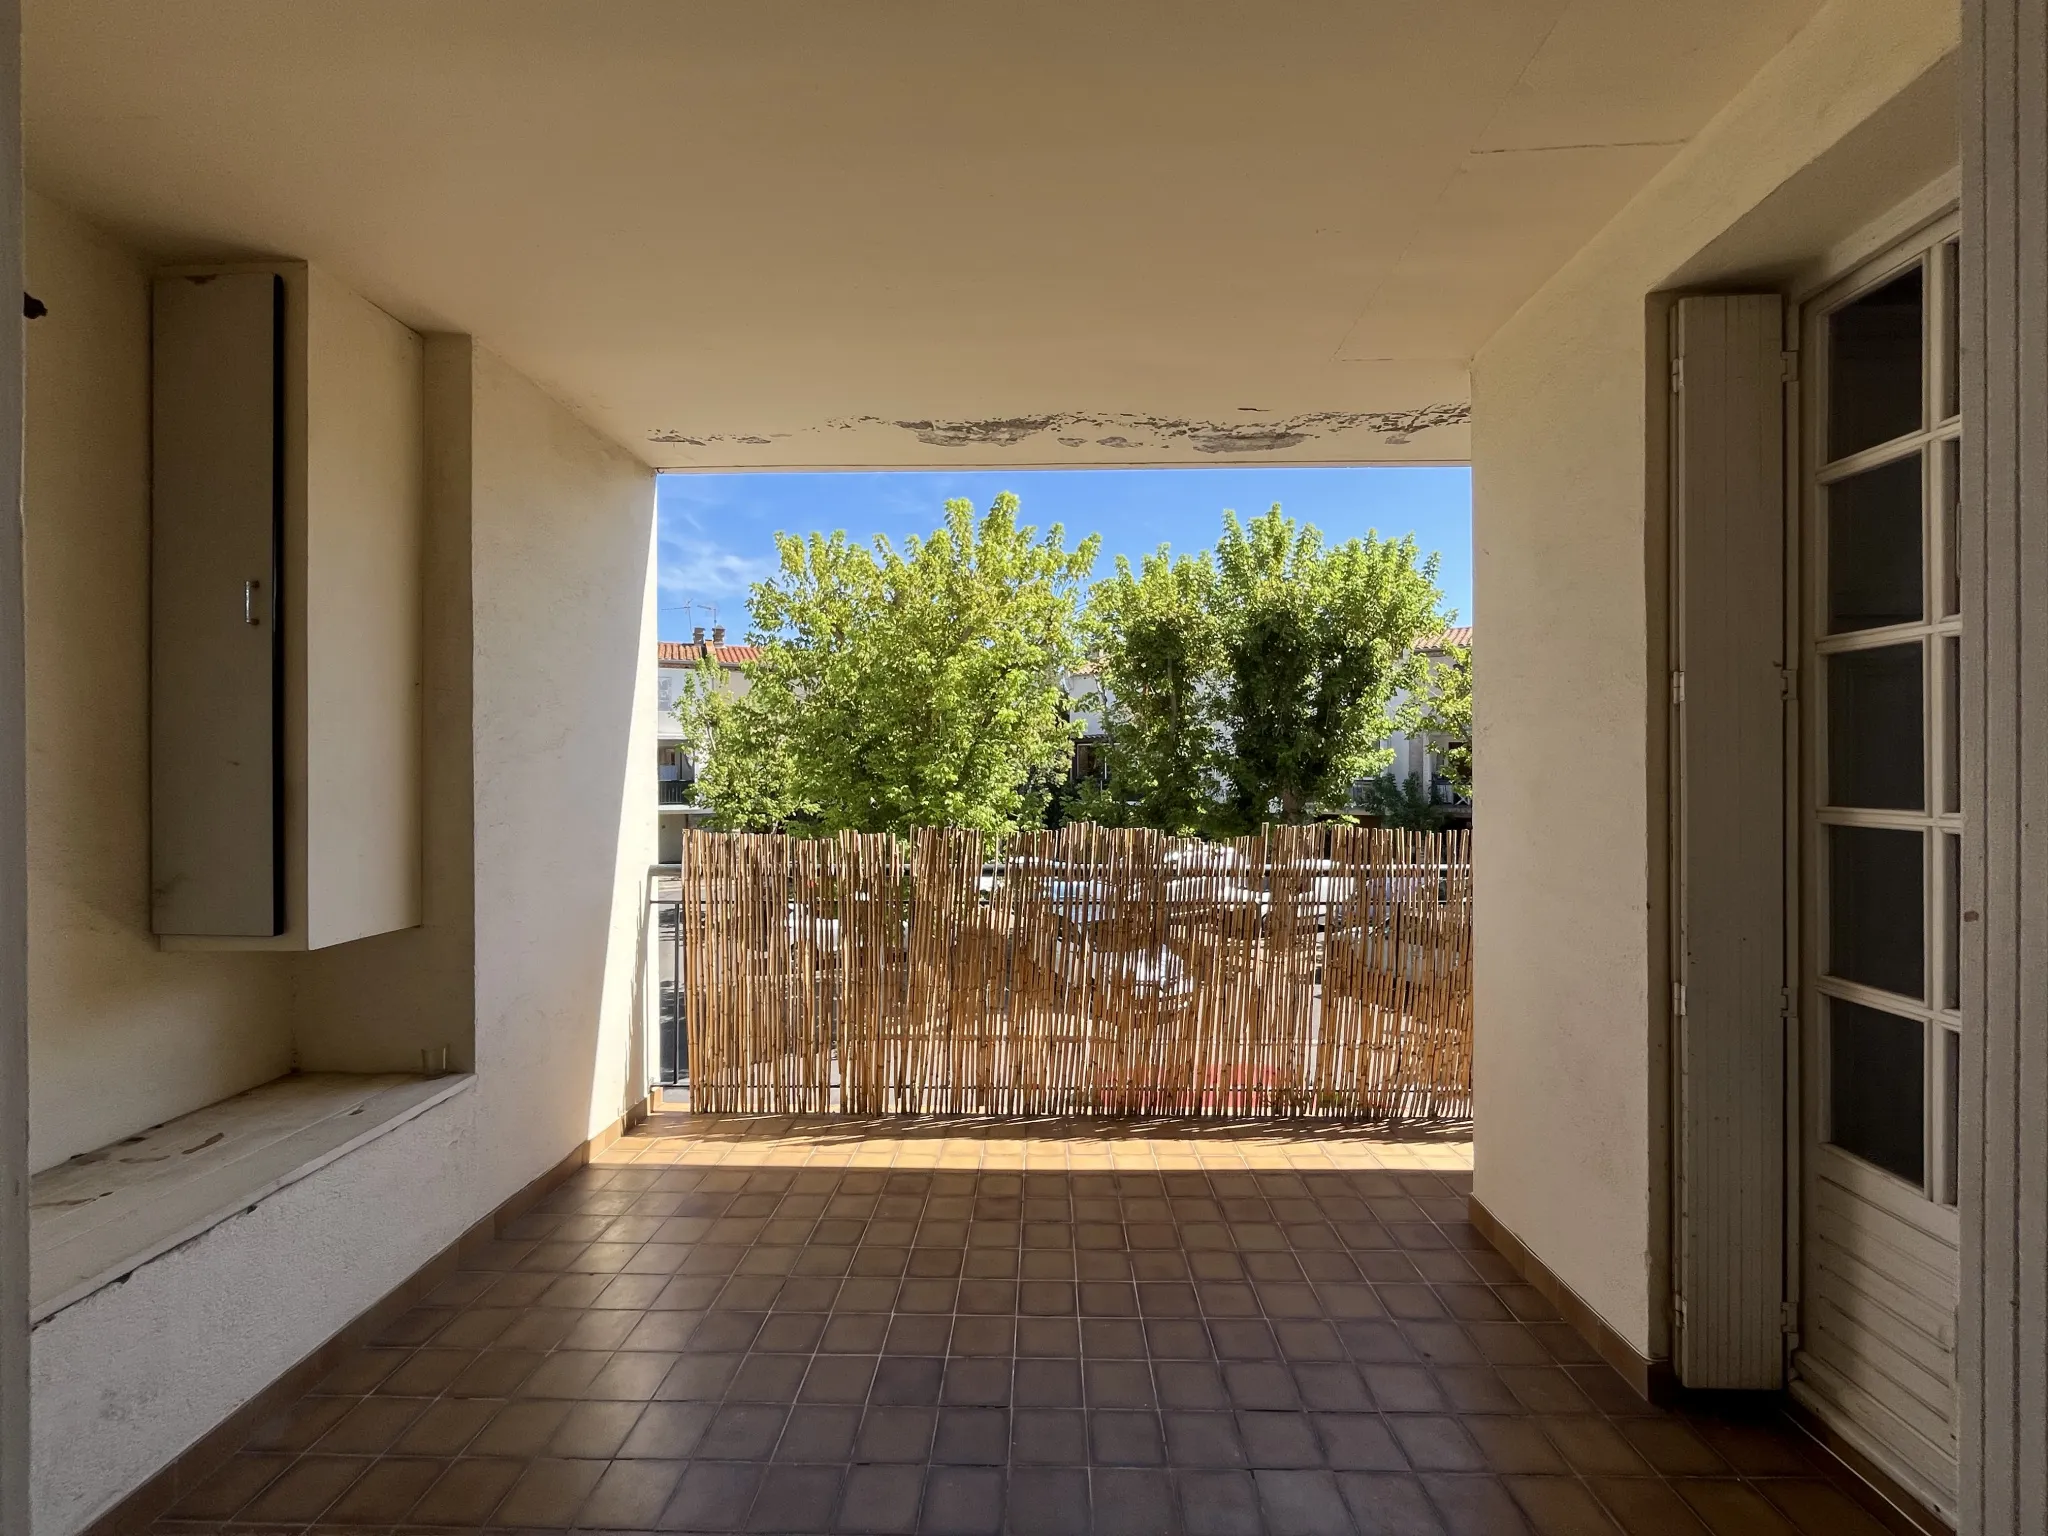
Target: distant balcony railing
(675,792)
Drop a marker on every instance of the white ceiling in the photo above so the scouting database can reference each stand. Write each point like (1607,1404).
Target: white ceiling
(820,232)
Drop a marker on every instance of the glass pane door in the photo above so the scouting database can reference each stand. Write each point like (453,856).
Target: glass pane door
(1879,1014)
(1882,722)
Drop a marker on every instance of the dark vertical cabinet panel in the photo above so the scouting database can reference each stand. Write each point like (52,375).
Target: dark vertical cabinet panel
(215,661)
(1728,471)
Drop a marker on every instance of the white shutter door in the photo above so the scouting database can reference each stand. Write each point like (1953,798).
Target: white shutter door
(1728,446)
(214,654)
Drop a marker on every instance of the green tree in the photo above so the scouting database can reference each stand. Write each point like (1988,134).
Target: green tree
(1403,803)
(899,688)
(1257,682)
(746,770)
(1447,709)
(1316,644)
(1157,643)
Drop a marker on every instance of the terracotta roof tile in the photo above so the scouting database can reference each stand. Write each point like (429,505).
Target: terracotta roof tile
(685,653)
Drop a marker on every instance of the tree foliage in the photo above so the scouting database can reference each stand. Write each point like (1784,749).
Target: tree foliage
(1157,644)
(1447,709)
(899,688)
(1317,643)
(1256,681)
(1402,802)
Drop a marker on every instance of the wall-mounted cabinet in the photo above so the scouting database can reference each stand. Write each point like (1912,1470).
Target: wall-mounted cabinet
(285,662)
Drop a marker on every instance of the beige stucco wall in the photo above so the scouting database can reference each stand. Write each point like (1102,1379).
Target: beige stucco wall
(121,1035)
(562,530)
(549,686)
(1569,943)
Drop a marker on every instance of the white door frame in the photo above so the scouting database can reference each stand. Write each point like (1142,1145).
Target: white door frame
(1907,1431)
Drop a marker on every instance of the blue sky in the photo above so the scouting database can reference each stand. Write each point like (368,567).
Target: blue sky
(718,531)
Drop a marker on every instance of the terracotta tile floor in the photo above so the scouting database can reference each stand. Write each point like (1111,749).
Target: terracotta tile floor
(809,1326)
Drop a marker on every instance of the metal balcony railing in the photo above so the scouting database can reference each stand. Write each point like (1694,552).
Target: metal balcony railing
(670,1067)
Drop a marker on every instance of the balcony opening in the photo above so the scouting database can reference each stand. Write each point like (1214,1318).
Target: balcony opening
(1227,874)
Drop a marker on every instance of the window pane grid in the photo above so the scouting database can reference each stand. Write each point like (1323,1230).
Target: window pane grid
(1885,1015)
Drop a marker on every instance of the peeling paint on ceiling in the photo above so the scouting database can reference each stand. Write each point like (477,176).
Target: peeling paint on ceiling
(1124,430)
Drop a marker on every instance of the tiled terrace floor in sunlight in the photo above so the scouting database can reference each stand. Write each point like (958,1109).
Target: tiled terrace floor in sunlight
(810,1326)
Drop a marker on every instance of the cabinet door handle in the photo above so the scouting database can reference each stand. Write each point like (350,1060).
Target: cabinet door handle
(249,602)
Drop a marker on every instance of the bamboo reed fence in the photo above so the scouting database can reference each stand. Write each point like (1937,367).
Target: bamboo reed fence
(1307,971)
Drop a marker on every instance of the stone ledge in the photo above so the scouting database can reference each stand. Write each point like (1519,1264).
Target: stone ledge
(103,1214)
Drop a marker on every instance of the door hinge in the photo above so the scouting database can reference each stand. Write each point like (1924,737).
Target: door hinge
(1788,683)
(1678,1310)
(1788,1317)
(1784,1002)
(1678,687)
(1677,374)
(1789,367)
(1678,998)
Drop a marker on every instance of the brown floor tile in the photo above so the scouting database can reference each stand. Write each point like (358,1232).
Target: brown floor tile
(300,1425)
(743,1432)
(1561,1506)
(1219,1504)
(1048,1501)
(549,1493)
(1593,1446)
(1124,1437)
(668,1431)
(796,1499)
(521,1429)
(721,1326)
(596,1429)
(1404,1389)
(1646,1506)
(448,1426)
(881,1499)
(1758,1448)
(305,1490)
(1436,1443)
(1279,1441)
(710,1496)
(1048,1436)
(820,1434)
(1474,1389)
(1545,1389)
(362,1370)
(1302,1502)
(385,1492)
(467,1491)
(372,1425)
(1730,1508)
(1514,1445)
(1606,1391)
(972,1437)
(963,1501)
(896,1434)
(1474,1505)
(1388,1504)
(1133,1501)
(631,1494)
(1671,1448)
(237,1481)
(1820,1509)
